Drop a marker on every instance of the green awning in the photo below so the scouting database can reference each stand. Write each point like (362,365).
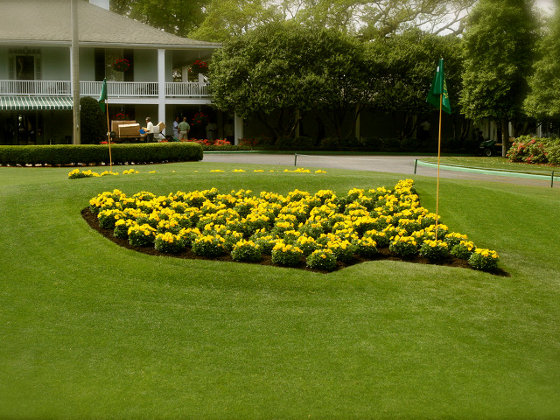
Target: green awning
(29,103)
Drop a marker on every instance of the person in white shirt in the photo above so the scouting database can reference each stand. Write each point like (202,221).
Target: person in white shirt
(176,128)
(149,130)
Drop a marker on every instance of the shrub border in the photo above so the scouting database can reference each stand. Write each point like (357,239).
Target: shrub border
(64,154)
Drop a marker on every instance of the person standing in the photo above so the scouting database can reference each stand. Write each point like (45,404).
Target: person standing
(184,128)
(149,130)
(176,128)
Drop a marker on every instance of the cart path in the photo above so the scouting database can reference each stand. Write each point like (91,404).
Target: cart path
(392,164)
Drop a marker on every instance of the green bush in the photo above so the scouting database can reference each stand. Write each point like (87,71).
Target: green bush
(65,154)
(169,243)
(529,149)
(93,124)
(434,250)
(322,259)
(484,259)
(286,255)
(246,251)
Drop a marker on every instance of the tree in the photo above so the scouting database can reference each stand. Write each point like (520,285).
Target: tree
(284,69)
(543,101)
(498,52)
(381,18)
(403,66)
(92,121)
(177,17)
(226,19)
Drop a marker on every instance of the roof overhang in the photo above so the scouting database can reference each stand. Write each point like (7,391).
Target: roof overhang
(39,43)
(30,103)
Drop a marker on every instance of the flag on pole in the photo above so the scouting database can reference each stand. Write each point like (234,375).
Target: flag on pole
(103,96)
(439,87)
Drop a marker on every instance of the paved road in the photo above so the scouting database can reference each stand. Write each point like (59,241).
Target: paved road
(393,164)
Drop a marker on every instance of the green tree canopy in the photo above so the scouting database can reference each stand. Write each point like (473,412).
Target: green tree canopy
(226,19)
(283,68)
(177,17)
(404,67)
(543,101)
(498,51)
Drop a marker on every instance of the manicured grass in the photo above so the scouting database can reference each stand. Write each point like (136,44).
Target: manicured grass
(89,329)
(496,163)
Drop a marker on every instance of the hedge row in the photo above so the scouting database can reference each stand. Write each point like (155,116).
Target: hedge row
(65,154)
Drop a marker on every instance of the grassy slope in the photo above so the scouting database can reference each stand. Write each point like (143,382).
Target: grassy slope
(91,329)
(496,163)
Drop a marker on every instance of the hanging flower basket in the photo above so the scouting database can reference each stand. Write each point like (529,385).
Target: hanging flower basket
(121,64)
(121,116)
(200,118)
(198,67)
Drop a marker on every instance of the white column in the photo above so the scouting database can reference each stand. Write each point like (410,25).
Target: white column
(238,128)
(75,70)
(161,86)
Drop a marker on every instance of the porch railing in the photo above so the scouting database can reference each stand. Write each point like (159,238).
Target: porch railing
(93,88)
(187,89)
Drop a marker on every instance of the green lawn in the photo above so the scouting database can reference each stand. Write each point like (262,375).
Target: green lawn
(495,163)
(92,330)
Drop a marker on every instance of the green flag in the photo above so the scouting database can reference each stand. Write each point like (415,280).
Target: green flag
(103,95)
(439,87)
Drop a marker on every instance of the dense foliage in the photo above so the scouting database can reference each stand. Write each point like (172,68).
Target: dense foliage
(64,154)
(286,69)
(543,100)
(530,149)
(93,124)
(498,52)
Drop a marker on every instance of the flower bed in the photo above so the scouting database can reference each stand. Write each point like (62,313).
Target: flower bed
(322,231)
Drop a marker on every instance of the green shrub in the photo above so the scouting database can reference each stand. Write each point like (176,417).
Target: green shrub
(434,250)
(553,152)
(366,247)
(404,246)
(209,246)
(141,235)
(246,251)
(169,243)
(463,250)
(67,154)
(529,149)
(93,125)
(322,259)
(484,259)
(286,254)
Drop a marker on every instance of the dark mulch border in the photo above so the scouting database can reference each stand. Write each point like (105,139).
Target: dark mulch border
(384,253)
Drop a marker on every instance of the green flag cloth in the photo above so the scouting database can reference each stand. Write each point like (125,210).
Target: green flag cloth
(439,87)
(103,95)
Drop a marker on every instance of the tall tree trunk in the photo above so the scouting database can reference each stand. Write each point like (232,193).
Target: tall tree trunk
(505,137)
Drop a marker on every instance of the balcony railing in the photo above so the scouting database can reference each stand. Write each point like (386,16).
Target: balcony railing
(114,89)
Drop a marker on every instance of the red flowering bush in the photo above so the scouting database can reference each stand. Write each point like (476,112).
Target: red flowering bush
(206,142)
(528,149)
(222,142)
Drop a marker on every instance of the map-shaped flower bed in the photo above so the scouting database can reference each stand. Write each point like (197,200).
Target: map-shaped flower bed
(320,231)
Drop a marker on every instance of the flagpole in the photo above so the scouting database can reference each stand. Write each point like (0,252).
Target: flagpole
(438,160)
(109,136)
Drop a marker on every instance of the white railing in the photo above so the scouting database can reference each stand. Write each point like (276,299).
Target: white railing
(187,89)
(35,87)
(114,89)
(120,89)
